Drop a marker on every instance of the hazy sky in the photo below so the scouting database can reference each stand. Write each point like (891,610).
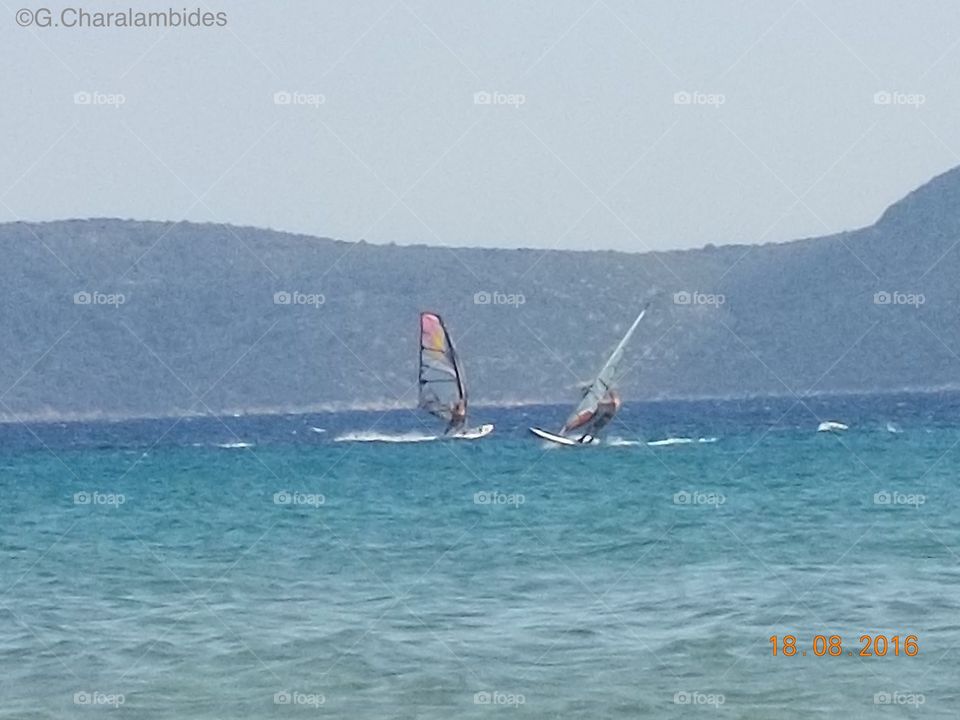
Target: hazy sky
(587,142)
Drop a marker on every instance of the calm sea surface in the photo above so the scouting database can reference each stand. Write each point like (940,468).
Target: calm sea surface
(343,566)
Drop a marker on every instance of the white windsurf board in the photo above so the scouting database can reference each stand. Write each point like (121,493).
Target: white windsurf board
(553,437)
(472,433)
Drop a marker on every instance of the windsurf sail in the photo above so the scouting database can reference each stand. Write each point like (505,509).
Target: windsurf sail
(600,401)
(442,391)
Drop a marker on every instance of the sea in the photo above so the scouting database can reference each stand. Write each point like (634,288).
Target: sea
(349,565)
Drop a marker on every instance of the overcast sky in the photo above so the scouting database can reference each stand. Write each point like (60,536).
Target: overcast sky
(610,124)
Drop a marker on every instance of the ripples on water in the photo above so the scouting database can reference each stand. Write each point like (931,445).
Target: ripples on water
(237,565)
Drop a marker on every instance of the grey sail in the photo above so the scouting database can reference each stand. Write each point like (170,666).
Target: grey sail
(600,394)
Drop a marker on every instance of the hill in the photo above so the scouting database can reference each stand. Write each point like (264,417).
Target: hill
(126,318)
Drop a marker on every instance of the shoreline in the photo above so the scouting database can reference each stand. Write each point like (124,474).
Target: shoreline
(47,418)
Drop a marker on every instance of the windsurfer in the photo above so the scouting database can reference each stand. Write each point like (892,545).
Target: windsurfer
(590,422)
(458,416)
(606,409)
(599,403)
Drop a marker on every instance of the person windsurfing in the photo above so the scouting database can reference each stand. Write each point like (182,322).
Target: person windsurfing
(443,392)
(458,417)
(607,408)
(599,403)
(593,418)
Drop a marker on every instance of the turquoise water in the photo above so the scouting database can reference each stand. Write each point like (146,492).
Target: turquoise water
(302,576)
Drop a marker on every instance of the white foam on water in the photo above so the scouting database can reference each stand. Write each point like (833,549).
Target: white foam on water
(368,436)
(621,442)
(317,430)
(680,441)
(234,445)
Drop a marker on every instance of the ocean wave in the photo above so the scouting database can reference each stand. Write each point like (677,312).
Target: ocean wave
(233,445)
(680,441)
(368,436)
